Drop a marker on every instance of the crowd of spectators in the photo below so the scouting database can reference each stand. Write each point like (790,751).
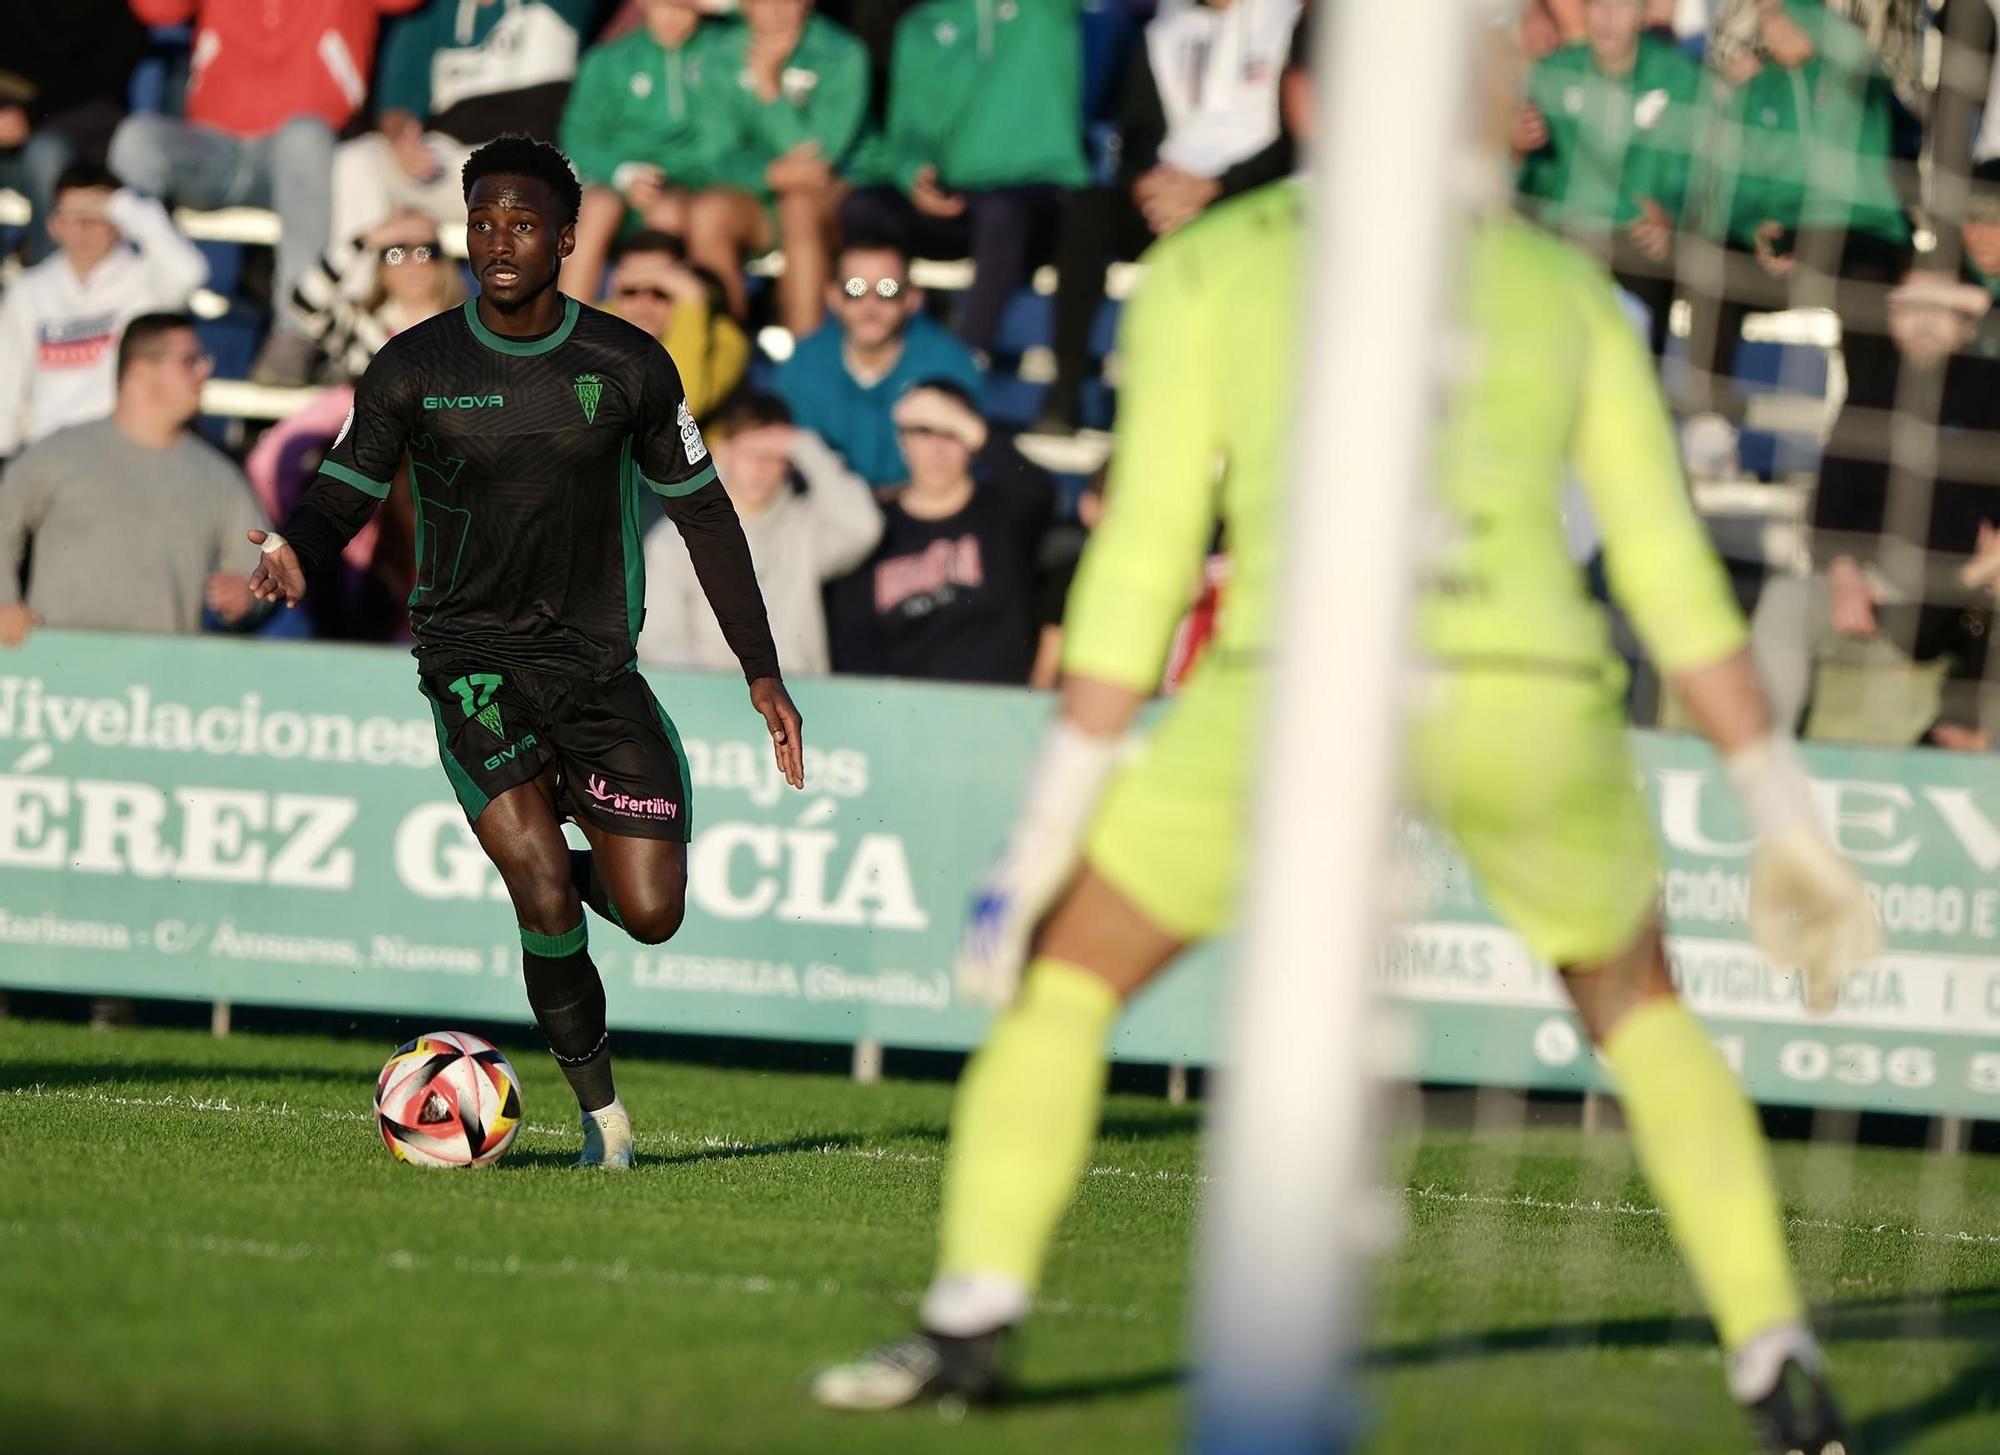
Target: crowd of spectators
(761,176)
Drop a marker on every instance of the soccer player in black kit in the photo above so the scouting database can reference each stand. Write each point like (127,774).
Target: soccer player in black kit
(539,434)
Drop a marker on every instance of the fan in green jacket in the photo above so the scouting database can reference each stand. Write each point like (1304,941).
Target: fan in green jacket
(1805,143)
(787,94)
(640,130)
(985,122)
(1797,172)
(1607,138)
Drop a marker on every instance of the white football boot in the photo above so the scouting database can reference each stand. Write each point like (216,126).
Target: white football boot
(607,1139)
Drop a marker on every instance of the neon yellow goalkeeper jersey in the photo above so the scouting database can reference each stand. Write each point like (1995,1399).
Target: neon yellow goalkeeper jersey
(1560,380)
(1560,386)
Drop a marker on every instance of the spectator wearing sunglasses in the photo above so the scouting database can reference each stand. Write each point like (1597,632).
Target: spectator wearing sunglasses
(365,292)
(950,593)
(117,256)
(137,524)
(808,519)
(843,381)
(985,127)
(654,288)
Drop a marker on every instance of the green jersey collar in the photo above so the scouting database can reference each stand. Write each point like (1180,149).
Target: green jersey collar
(522,348)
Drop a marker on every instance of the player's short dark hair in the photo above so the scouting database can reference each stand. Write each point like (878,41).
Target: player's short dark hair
(86,175)
(952,387)
(875,242)
(145,331)
(652,240)
(750,409)
(514,155)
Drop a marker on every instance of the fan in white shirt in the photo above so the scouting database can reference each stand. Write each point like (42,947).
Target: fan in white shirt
(118,256)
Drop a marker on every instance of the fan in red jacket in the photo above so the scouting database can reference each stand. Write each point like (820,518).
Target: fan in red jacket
(270,86)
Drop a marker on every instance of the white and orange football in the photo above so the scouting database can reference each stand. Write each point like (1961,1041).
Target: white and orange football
(448,1099)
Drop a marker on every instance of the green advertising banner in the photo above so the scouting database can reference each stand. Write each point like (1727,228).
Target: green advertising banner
(211,818)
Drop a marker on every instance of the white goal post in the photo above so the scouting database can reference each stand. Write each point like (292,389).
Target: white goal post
(1292,1190)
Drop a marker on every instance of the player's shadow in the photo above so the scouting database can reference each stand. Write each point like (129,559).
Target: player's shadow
(523,1157)
(199,1075)
(1960,1315)
(1113,1129)
(1089,1391)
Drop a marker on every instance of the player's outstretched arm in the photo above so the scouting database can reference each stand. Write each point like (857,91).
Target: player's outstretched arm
(769,697)
(1041,856)
(1807,906)
(278,576)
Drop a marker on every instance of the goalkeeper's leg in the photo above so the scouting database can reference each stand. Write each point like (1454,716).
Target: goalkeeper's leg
(1021,1133)
(1698,1140)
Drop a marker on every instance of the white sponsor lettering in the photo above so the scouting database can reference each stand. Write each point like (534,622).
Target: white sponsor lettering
(212,835)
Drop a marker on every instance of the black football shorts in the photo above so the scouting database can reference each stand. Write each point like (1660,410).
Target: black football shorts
(618,760)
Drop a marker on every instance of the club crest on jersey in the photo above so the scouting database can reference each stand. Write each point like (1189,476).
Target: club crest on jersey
(691,440)
(589,389)
(475,695)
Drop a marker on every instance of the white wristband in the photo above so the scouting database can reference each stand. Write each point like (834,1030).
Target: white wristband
(1063,785)
(1772,786)
(273,543)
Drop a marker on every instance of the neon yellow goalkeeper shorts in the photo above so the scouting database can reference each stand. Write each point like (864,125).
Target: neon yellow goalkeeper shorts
(1168,834)
(1532,775)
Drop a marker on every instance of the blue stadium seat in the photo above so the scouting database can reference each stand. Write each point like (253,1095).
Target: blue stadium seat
(232,339)
(1012,401)
(1028,323)
(225,266)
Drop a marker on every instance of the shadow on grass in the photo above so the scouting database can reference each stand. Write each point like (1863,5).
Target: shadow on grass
(1089,1391)
(1970,1315)
(1177,1122)
(79,1075)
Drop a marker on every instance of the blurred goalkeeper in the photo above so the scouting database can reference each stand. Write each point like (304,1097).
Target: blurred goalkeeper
(1119,863)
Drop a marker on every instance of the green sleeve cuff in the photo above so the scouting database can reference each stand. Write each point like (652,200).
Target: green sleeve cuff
(377,488)
(679,488)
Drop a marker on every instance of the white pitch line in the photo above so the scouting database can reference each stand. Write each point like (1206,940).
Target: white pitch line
(714,1143)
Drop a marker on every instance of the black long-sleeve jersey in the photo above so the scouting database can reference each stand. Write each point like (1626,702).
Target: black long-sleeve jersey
(534,463)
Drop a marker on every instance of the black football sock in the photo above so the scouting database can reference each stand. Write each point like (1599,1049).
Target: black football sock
(589,887)
(568,1000)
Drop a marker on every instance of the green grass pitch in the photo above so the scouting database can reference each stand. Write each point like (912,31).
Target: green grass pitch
(204,1246)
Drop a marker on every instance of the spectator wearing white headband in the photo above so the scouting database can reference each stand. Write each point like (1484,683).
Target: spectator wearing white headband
(949,593)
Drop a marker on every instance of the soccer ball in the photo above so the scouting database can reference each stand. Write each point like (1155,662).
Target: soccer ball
(448,1099)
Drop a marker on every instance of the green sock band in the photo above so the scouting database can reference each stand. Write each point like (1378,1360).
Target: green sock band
(554,947)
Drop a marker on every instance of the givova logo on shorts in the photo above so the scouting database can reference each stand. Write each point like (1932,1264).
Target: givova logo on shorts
(475,694)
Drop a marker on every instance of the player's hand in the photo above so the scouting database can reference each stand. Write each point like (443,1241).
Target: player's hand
(1855,598)
(768,696)
(14,126)
(1530,131)
(16,621)
(1808,908)
(1653,231)
(931,199)
(1040,859)
(279,576)
(228,595)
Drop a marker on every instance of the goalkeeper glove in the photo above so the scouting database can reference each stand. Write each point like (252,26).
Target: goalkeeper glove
(1021,887)
(1807,906)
